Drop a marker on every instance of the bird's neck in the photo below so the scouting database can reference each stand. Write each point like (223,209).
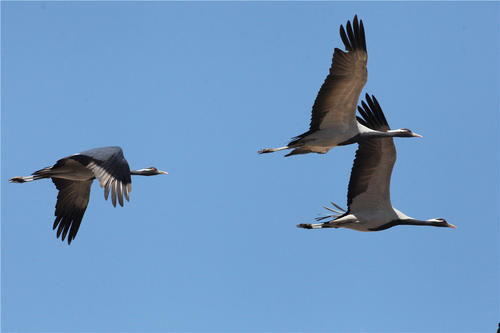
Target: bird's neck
(140,172)
(407,221)
(383,134)
(421,222)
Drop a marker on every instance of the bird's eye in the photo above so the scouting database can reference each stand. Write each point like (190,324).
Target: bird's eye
(154,169)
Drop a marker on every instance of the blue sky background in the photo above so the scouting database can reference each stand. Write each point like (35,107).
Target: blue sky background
(196,89)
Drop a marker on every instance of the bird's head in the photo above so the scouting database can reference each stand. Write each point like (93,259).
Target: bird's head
(407,133)
(151,171)
(439,222)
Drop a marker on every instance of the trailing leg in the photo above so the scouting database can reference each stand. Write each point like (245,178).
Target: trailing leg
(272,150)
(40,174)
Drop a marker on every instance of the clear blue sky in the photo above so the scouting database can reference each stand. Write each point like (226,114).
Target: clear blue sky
(196,89)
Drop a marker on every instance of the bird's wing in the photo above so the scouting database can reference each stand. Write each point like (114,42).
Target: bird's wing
(336,102)
(111,169)
(369,186)
(72,202)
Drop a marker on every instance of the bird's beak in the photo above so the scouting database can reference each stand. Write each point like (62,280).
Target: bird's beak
(163,172)
(417,135)
(452,226)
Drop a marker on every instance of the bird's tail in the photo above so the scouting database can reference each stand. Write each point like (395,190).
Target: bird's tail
(299,151)
(40,174)
(272,150)
(337,212)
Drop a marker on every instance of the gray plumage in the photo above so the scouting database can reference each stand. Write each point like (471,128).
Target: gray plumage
(333,119)
(73,176)
(368,196)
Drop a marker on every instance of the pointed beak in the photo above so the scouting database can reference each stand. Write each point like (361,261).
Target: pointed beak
(163,172)
(452,226)
(417,135)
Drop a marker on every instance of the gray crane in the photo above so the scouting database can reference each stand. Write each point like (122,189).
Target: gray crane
(368,195)
(73,176)
(333,119)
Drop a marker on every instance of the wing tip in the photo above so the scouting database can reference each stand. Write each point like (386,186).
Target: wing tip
(372,114)
(353,36)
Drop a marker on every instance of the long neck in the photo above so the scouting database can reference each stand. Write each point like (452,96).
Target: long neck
(141,172)
(408,221)
(422,222)
(385,134)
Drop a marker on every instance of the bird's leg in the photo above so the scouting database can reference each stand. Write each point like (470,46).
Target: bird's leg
(335,222)
(330,224)
(272,150)
(310,225)
(40,174)
(22,179)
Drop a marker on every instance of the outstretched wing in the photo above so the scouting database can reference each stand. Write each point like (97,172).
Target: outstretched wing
(111,169)
(72,202)
(337,99)
(369,186)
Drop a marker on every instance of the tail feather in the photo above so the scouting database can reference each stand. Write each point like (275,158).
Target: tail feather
(299,151)
(337,212)
(42,173)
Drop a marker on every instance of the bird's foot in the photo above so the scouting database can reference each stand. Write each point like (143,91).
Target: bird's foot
(17,180)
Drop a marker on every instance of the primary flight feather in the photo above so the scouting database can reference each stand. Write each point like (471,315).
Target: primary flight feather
(73,176)
(333,118)
(368,196)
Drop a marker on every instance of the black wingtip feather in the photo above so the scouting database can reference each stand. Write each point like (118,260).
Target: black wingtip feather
(65,230)
(350,34)
(372,114)
(56,222)
(362,35)
(353,36)
(364,116)
(67,227)
(344,38)
(355,26)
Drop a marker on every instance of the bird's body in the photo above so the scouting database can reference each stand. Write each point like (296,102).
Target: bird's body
(365,220)
(73,176)
(333,118)
(368,197)
(69,169)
